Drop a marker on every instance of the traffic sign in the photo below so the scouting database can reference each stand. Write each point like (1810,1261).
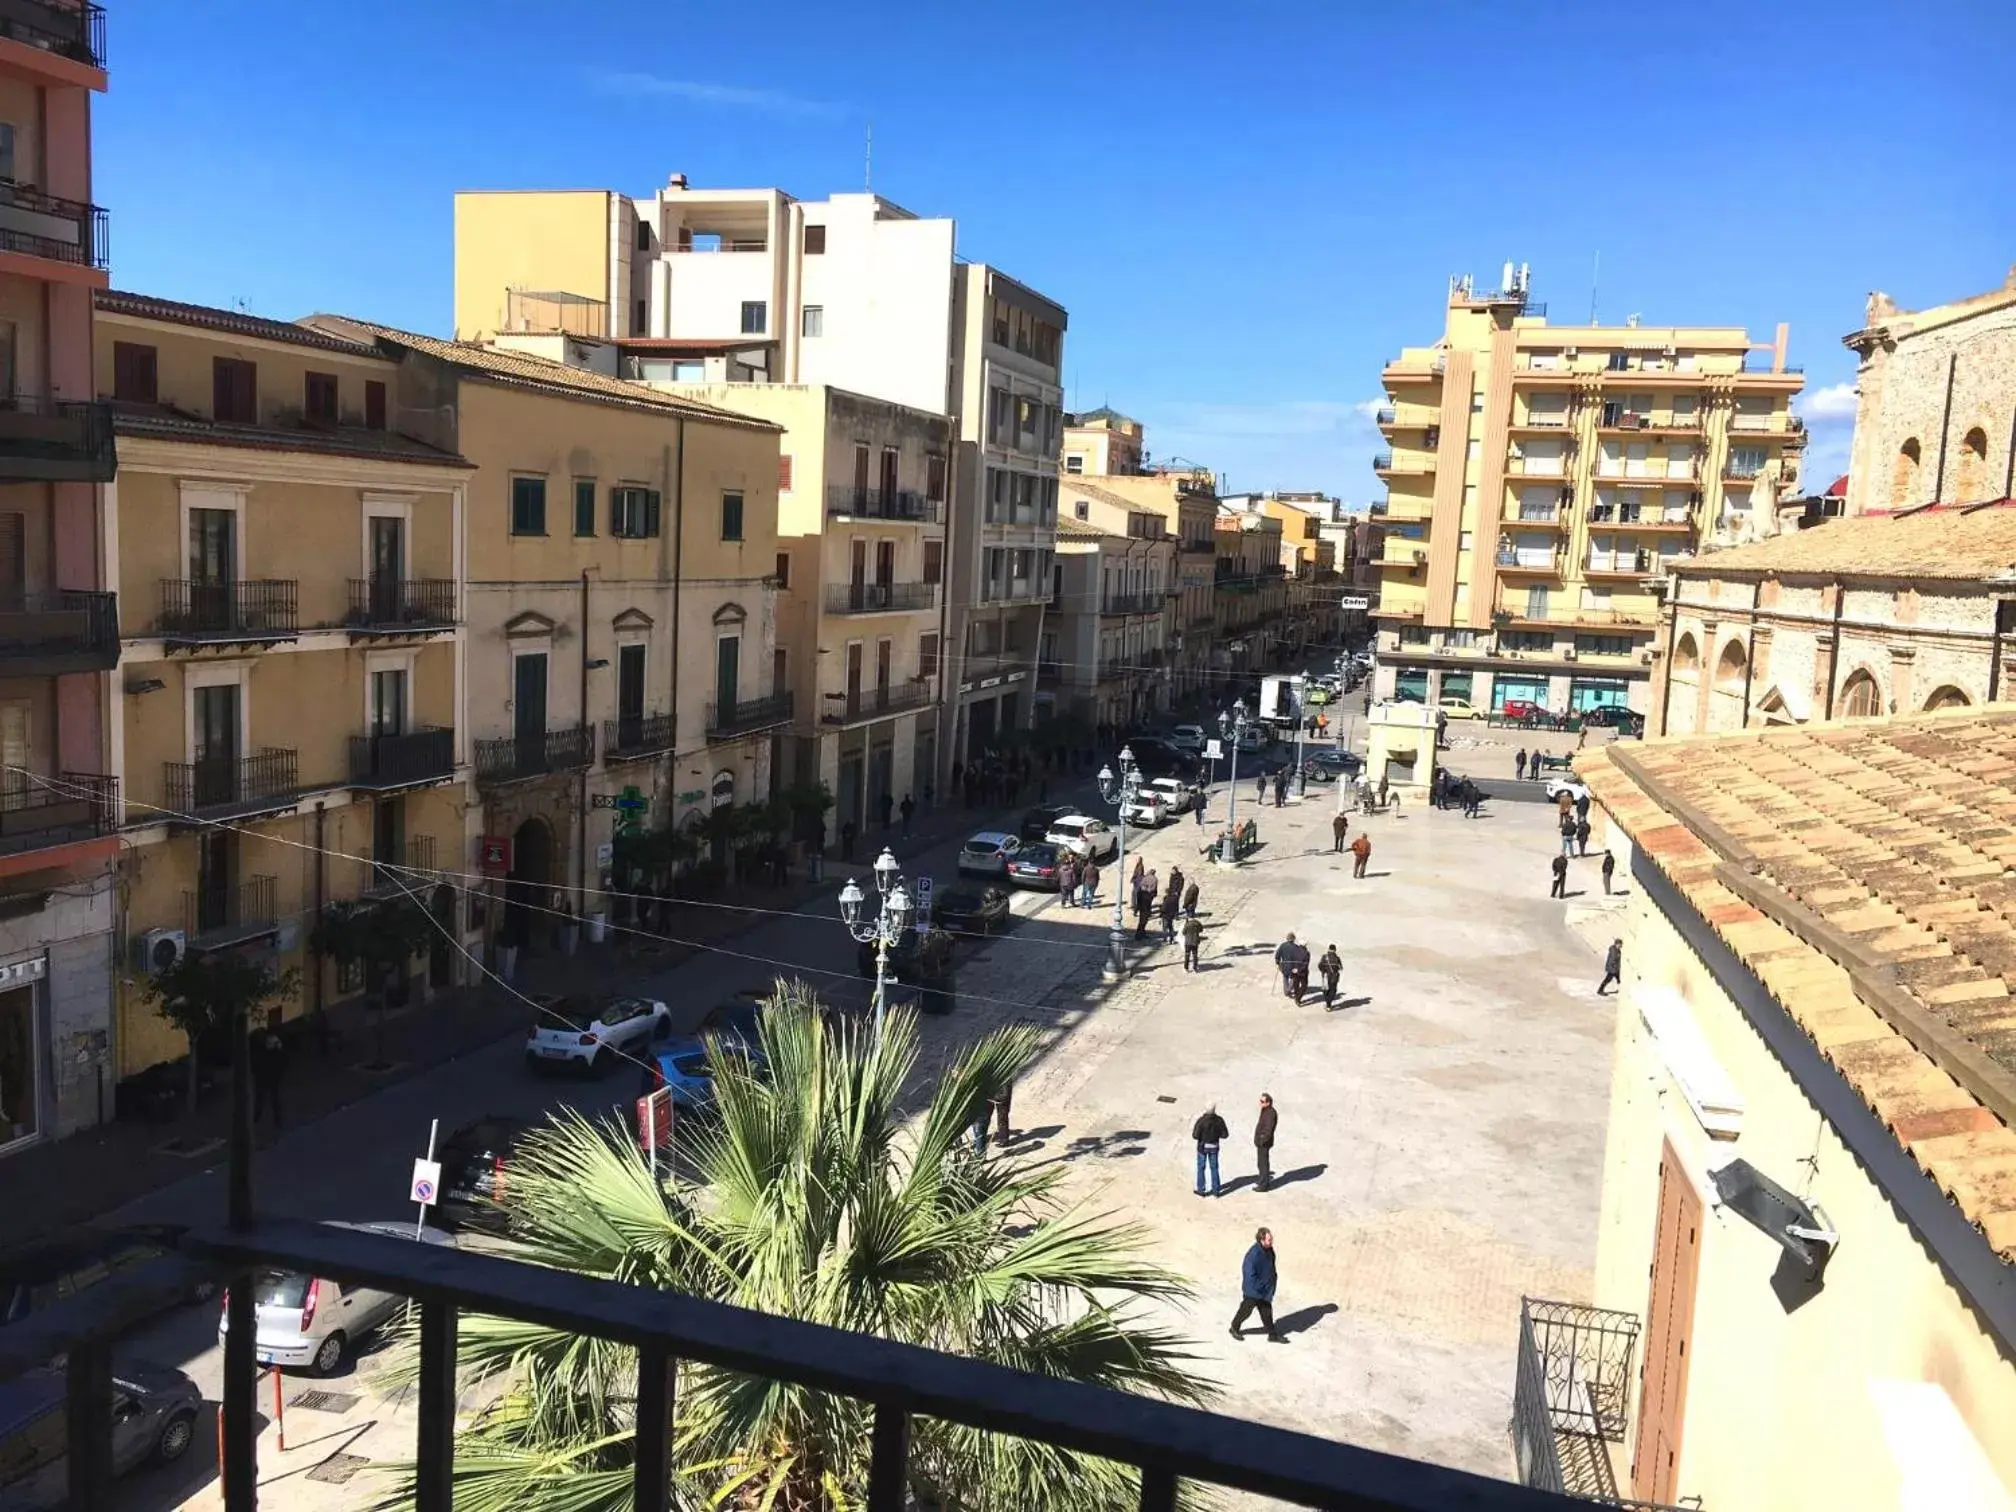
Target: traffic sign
(1354,601)
(1212,751)
(923,925)
(426,1182)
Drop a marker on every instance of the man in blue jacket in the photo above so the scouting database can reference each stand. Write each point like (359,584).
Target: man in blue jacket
(1256,1287)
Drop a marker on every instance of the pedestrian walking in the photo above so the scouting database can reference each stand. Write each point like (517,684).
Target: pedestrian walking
(909,810)
(1292,960)
(1332,967)
(1140,869)
(1280,788)
(1560,876)
(1519,764)
(1144,901)
(1339,828)
(1067,879)
(1473,799)
(1567,833)
(1564,801)
(1088,882)
(1582,837)
(848,830)
(269,1065)
(979,1129)
(888,809)
(1257,1277)
(1609,866)
(1193,939)
(1209,1131)
(1361,852)
(1197,805)
(1190,901)
(1582,805)
(1613,968)
(1260,789)
(1172,903)
(1263,1141)
(1002,1106)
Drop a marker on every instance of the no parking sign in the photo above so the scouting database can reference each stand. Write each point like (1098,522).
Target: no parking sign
(426,1182)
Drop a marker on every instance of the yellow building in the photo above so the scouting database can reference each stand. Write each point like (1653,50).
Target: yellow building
(1806,1264)
(1114,611)
(1251,596)
(1103,443)
(286,714)
(1542,478)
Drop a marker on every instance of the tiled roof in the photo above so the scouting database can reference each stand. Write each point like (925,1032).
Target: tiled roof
(1863,872)
(1955,542)
(163,424)
(1071,488)
(1081,530)
(522,371)
(234,322)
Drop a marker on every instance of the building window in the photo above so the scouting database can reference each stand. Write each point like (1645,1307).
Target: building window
(1081,508)
(318,400)
(934,561)
(1746,461)
(374,405)
(1861,697)
(814,321)
(528,506)
(640,318)
(934,479)
(1971,475)
(134,373)
(1075,463)
(731,516)
(783,573)
(1413,635)
(6,149)
(815,240)
(927,655)
(234,390)
(1948,697)
(633,513)
(783,473)
(584,506)
(1603,645)
(755,317)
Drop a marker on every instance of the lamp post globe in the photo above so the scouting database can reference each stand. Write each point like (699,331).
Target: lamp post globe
(850,903)
(887,871)
(1120,791)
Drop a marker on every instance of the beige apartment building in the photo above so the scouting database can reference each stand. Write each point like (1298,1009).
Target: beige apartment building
(1103,443)
(1309,558)
(1250,586)
(1114,612)
(287,726)
(1542,479)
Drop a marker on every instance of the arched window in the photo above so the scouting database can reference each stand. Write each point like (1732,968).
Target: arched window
(1860,697)
(1904,475)
(1948,697)
(1970,478)
(1730,667)
(1687,656)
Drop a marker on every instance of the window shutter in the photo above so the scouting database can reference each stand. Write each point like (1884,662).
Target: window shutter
(616,511)
(783,474)
(651,513)
(374,405)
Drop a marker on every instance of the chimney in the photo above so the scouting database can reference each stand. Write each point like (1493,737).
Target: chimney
(676,181)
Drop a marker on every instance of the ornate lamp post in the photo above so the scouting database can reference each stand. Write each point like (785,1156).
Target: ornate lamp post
(1231,725)
(1122,791)
(886,928)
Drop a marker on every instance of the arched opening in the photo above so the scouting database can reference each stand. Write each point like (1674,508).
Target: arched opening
(1860,697)
(528,886)
(1948,697)
(1970,478)
(1904,475)
(1687,656)
(1725,706)
(1730,667)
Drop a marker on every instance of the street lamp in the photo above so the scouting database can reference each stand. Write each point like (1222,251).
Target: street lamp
(886,928)
(1121,790)
(1231,725)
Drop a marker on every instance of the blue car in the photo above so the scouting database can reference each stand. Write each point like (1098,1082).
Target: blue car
(687,1074)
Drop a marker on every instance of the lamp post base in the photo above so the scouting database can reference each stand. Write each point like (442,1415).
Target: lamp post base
(1115,968)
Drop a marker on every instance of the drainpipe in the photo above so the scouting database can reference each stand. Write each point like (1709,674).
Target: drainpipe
(321,891)
(1750,650)
(1945,420)
(2009,469)
(581,782)
(1672,636)
(1834,650)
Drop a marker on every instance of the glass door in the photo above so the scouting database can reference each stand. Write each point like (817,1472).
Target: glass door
(388,569)
(528,710)
(629,697)
(216,745)
(213,569)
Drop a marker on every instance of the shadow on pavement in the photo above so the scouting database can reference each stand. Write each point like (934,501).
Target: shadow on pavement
(1304,1318)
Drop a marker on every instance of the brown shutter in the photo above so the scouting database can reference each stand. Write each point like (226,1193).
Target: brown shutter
(374,405)
(1669,1328)
(133,373)
(13,557)
(783,474)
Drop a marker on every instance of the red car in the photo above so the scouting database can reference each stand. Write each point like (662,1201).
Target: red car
(1519,710)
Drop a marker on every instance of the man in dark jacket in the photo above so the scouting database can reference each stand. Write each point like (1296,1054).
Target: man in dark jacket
(1332,967)
(1209,1131)
(269,1064)
(1609,869)
(1171,905)
(1263,1140)
(1193,940)
(1340,827)
(1560,888)
(1613,968)
(1257,1276)
(1291,959)
(1280,788)
(1190,900)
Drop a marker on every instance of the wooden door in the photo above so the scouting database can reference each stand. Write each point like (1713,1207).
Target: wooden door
(1669,1329)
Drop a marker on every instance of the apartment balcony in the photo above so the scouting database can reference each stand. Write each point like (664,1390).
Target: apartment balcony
(1016,591)
(1199,548)
(407,868)
(47,440)
(1648,474)
(636,737)
(410,759)
(1403,464)
(233,787)
(1531,563)
(748,716)
(1629,517)
(877,703)
(1419,370)
(42,634)
(1632,564)
(38,224)
(880,598)
(1571,1396)
(73,32)
(1385,417)
(1554,422)
(237,613)
(906,505)
(1517,609)
(1618,421)
(519,758)
(217,917)
(1531,517)
(399,606)
(1131,603)
(72,806)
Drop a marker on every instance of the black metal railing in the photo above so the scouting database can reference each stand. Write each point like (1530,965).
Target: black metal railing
(507,758)
(221,785)
(1130,603)
(745,716)
(405,868)
(1571,1396)
(629,736)
(39,812)
(876,703)
(843,499)
(258,609)
(401,604)
(879,598)
(215,916)
(49,440)
(413,756)
(76,32)
(64,631)
(39,224)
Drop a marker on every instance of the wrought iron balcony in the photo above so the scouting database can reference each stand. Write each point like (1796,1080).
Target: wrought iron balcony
(400,606)
(262,609)
(48,440)
(59,810)
(37,224)
(877,703)
(844,501)
(879,598)
(747,716)
(403,760)
(1131,603)
(631,737)
(76,32)
(214,917)
(64,631)
(226,787)
(515,758)
(1571,1397)
(407,868)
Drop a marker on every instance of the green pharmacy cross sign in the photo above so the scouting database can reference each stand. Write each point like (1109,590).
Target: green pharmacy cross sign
(630,805)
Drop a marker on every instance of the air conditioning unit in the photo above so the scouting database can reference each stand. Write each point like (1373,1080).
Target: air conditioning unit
(1420,558)
(1571,353)
(158,949)
(1645,657)
(1568,653)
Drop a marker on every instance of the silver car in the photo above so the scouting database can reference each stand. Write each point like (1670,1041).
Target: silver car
(987,854)
(314,1322)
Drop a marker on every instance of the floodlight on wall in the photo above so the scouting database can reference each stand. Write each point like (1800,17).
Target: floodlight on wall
(1798,1228)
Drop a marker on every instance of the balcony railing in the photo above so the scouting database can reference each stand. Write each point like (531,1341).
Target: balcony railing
(403,760)
(1622,563)
(1384,415)
(1571,1395)
(631,737)
(49,440)
(878,703)
(746,716)
(263,609)
(218,916)
(513,758)
(1613,469)
(403,870)
(1529,561)
(846,501)
(60,810)
(36,224)
(880,598)
(1131,603)
(222,787)
(64,631)
(398,606)
(76,32)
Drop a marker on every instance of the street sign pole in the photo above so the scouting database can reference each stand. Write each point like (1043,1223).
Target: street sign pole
(426,1180)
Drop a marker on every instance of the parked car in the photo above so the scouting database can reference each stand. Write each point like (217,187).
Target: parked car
(1036,866)
(1521,711)
(1336,761)
(1623,720)
(591,1034)
(1156,757)
(36,1275)
(1188,737)
(1084,837)
(1459,708)
(1148,809)
(154,1417)
(735,1022)
(1178,794)
(310,1321)
(1036,823)
(1572,786)
(967,909)
(987,854)
(473,1161)
(1255,737)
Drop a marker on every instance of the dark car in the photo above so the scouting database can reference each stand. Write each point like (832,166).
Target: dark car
(1036,865)
(473,1166)
(736,1021)
(971,910)
(48,1271)
(154,1419)
(1334,762)
(1624,721)
(1036,823)
(1156,757)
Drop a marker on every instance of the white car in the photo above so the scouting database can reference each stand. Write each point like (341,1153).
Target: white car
(1084,837)
(1149,809)
(1177,793)
(305,1320)
(1572,786)
(1188,738)
(592,1034)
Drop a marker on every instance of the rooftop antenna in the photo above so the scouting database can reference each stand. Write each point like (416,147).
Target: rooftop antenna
(1595,271)
(868,161)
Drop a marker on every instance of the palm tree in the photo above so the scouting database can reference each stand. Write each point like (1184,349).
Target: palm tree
(813,1198)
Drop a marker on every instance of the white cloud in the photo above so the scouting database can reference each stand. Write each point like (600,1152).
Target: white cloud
(1835,402)
(1368,409)
(728,96)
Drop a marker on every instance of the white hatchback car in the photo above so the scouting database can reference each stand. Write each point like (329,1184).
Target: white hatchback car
(1188,738)
(1177,793)
(592,1034)
(1149,809)
(311,1321)
(1084,837)
(1572,786)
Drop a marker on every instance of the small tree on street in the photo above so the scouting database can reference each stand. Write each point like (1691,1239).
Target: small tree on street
(379,936)
(213,995)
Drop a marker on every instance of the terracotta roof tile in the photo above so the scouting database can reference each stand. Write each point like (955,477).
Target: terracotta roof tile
(1953,542)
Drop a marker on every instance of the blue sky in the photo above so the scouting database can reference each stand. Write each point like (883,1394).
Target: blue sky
(1246,210)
